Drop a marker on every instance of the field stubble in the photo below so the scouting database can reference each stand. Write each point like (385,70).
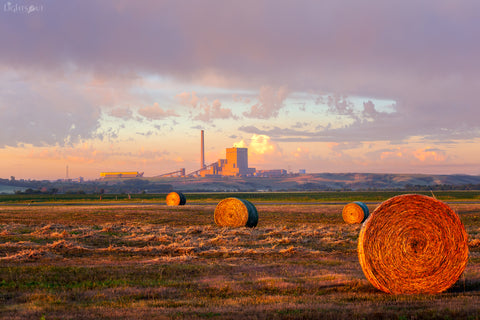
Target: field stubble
(132,262)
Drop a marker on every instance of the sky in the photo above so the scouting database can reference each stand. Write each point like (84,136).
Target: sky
(326,86)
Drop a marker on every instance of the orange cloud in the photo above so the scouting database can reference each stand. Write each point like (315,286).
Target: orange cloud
(83,153)
(333,147)
(214,111)
(301,153)
(188,99)
(261,149)
(154,112)
(429,154)
(391,154)
(261,144)
(240,144)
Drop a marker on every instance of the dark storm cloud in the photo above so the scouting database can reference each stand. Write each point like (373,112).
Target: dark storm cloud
(422,55)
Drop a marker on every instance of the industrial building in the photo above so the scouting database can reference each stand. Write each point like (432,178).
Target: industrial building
(271,173)
(130,174)
(235,164)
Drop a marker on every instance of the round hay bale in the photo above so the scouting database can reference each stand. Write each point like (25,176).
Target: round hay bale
(176,199)
(234,212)
(355,212)
(413,244)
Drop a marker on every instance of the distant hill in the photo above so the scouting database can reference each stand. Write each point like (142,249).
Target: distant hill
(292,182)
(328,181)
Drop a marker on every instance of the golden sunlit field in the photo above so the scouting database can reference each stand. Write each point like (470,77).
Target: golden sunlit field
(160,262)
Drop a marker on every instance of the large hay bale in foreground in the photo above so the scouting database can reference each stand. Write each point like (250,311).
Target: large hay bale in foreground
(413,244)
(234,212)
(355,212)
(176,199)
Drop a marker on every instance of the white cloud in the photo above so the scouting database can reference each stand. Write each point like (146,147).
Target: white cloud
(155,112)
(188,99)
(122,113)
(369,110)
(269,104)
(339,104)
(42,110)
(214,111)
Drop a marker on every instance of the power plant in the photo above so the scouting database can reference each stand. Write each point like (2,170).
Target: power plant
(235,164)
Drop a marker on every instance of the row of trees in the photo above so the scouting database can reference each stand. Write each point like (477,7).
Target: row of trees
(93,187)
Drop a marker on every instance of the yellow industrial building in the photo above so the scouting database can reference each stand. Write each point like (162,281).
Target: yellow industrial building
(235,164)
(129,174)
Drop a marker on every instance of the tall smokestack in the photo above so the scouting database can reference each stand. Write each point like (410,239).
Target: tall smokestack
(202,153)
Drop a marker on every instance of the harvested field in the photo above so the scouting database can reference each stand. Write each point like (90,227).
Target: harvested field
(161,262)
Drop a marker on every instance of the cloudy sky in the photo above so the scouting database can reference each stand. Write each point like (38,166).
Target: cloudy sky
(326,86)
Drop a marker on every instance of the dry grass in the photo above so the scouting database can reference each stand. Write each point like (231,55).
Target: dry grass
(132,262)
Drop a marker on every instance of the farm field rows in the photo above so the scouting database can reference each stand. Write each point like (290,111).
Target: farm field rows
(160,262)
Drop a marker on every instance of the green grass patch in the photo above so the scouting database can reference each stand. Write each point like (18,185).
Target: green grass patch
(318,196)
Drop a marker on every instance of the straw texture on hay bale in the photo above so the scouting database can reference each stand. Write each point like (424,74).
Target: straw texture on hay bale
(413,244)
(355,212)
(176,199)
(234,212)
